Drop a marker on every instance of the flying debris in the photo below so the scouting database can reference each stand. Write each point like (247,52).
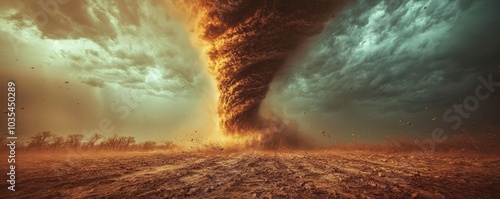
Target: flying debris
(409,124)
(434,118)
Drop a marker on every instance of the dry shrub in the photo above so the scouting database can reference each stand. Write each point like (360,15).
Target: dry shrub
(46,141)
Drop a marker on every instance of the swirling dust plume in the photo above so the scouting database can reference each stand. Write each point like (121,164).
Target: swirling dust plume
(249,42)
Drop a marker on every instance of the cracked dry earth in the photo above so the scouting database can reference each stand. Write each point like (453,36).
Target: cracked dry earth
(254,174)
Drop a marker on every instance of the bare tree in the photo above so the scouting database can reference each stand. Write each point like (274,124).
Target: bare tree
(40,140)
(110,143)
(57,142)
(74,141)
(118,142)
(93,139)
(122,142)
(129,141)
(148,145)
(168,145)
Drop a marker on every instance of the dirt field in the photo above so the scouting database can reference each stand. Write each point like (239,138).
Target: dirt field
(299,174)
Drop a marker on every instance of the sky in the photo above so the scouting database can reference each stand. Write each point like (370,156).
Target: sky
(378,69)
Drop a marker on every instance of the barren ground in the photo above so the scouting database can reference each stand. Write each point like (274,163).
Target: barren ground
(298,174)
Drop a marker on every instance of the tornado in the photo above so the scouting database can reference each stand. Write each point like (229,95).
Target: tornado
(249,42)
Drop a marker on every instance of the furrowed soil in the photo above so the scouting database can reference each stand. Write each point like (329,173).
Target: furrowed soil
(254,174)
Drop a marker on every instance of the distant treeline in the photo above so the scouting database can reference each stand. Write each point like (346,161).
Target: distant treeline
(47,141)
(459,143)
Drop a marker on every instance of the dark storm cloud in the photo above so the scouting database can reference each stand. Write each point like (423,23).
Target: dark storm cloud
(112,42)
(396,58)
(105,50)
(69,19)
